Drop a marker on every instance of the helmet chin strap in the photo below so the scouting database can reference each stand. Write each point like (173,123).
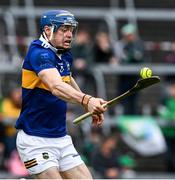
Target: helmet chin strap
(60,50)
(45,37)
(51,35)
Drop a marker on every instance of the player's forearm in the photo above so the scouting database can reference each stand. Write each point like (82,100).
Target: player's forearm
(62,90)
(67,93)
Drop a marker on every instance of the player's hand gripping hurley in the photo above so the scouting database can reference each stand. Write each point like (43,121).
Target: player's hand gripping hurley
(141,84)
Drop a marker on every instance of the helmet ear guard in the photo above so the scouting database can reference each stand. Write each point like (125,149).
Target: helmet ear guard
(54,27)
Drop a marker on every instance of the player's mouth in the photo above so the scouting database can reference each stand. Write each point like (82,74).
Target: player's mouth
(67,43)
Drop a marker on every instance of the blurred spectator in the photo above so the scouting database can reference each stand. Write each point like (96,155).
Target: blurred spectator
(15,166)
(129,50)
(81,51)
(2,140)
(128,164)
(103,53)
(92,142)
(170,58)
(103,50)
(2,146)
(167,112)
(106,159)
(10,109)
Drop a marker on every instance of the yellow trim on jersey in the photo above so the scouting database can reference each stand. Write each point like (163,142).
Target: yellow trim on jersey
(66,79)
(30,80)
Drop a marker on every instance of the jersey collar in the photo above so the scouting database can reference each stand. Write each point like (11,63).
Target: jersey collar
(48,44)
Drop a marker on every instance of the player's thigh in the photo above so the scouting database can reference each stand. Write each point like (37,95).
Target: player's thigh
(51,173)
(78,172)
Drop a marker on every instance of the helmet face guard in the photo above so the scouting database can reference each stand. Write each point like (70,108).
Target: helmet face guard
(58,24)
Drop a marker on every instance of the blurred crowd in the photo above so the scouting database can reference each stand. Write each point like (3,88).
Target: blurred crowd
(103,151)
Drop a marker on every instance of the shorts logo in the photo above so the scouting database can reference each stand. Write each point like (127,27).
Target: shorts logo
(45,155)
(30,163)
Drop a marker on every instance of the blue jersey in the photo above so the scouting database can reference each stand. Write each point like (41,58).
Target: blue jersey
(43,114)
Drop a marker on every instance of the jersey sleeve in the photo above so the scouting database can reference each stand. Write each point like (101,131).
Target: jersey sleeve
(41,60)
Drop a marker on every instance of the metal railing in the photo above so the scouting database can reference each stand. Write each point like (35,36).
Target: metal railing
(110,15)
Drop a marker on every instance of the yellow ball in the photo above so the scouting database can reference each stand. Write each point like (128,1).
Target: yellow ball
(145,72)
